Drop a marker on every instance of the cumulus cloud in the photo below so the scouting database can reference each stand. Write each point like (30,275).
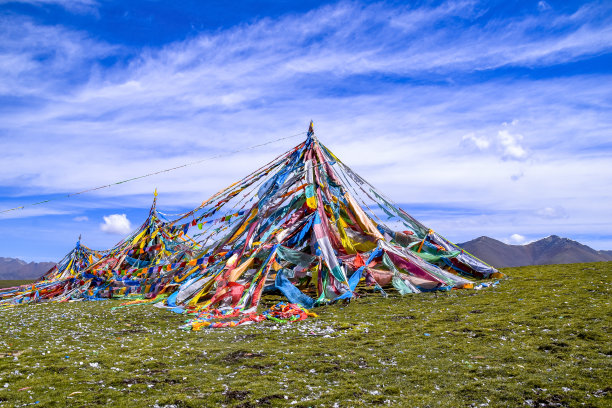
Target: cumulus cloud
(511,145)
(507,144)
(116,224)
(482,143)
(517,239)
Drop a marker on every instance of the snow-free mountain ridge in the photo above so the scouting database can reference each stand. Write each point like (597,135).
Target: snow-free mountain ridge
(550,250)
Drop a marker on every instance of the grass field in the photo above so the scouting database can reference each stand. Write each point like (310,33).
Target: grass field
(540,338)
(11,283)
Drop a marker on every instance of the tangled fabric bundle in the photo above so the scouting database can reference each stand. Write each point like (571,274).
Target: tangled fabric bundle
(281,313)
(288,312)
(140,300)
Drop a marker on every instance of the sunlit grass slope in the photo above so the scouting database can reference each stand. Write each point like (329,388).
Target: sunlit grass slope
(11,283)
(540,338)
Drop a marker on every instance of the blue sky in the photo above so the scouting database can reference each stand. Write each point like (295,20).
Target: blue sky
(480,118)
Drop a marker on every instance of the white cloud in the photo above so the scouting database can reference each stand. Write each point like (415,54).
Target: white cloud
(482,143)
(506,144)
(31,211)
(81,218)
(517,239)
(543,6)
(44,62)
(556,212)
(116,224)
(511,145)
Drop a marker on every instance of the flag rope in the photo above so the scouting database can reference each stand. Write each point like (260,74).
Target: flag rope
(21,207)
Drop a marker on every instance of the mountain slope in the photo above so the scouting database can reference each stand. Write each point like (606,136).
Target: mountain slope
(606,254)
(549,250)
(13,268)
(496,253)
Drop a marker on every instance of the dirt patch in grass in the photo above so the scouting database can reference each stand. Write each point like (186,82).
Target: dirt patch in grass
(239,355)
(400,318)
(268,399)
(239,395)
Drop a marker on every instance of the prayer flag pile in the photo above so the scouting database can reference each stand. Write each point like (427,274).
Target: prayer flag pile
(304,225)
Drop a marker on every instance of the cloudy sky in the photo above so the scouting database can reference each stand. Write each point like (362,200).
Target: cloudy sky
(479,118)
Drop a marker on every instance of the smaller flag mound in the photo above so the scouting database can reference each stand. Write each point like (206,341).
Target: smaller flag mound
(281,313)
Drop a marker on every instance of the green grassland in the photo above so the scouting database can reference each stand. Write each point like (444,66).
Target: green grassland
(539,338)
(11,283)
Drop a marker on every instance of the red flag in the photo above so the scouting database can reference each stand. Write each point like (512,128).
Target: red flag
(358,261)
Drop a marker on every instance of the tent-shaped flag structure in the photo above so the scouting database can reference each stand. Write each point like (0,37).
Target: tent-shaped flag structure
(139,265)
(304,225)
(143,264)
(308,226)
(59,283)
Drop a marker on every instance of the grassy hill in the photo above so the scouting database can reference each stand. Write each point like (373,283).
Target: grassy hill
(11,283)
(540,338)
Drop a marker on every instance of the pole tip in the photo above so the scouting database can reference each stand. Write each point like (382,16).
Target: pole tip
(311,128)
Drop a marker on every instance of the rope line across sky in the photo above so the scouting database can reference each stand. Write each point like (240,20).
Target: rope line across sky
(21,207)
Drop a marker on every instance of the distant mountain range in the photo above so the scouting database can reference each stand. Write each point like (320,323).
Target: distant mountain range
(546,251)
(13,268)
(549,250)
